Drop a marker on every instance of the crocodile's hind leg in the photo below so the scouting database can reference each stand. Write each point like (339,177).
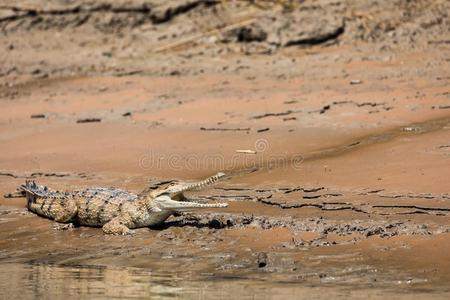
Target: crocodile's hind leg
(60,210)
(58,206)
(118,225)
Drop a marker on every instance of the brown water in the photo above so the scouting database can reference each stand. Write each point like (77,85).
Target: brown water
(34,281)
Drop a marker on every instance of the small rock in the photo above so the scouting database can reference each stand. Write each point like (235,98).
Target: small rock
(59,226)
(216,224)
(262,260)
(355,81)
(251,34)
(324,109)
(411,129)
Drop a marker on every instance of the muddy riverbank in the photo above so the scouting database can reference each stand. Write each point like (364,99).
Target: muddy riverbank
(331,118)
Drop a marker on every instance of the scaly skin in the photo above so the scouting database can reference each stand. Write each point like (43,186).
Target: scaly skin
(115,210)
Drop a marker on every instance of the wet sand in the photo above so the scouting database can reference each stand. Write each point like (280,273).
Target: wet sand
(344,192)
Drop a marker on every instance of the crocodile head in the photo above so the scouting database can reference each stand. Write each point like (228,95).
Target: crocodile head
(172,197)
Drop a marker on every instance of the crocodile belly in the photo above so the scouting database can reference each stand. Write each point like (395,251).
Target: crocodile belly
(145,219)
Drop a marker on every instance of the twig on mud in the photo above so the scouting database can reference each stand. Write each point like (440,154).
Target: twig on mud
(89,120)
(17,194)
(246,151)
(224,129)
(204,34)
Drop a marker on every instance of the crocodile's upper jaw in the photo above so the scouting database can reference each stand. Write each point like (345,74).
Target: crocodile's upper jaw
(175,191)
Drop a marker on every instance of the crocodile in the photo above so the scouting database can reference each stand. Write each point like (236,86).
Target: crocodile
(117,211)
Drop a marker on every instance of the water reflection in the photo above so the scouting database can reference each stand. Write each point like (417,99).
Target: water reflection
(30,281)
(48,281)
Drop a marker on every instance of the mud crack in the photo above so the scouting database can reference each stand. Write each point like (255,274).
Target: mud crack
(285,113)
(148,12)
(319,38)
(371,202)
(45,174)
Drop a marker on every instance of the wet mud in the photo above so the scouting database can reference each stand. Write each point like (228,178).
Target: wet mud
(330,118)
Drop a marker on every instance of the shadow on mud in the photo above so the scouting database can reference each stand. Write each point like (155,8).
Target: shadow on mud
(198,222)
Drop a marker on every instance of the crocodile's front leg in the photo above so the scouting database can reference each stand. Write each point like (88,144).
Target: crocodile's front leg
(66,211)
(118,225)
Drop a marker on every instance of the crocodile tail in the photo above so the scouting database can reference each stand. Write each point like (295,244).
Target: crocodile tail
(31,190)
(34,191)
(30,187)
